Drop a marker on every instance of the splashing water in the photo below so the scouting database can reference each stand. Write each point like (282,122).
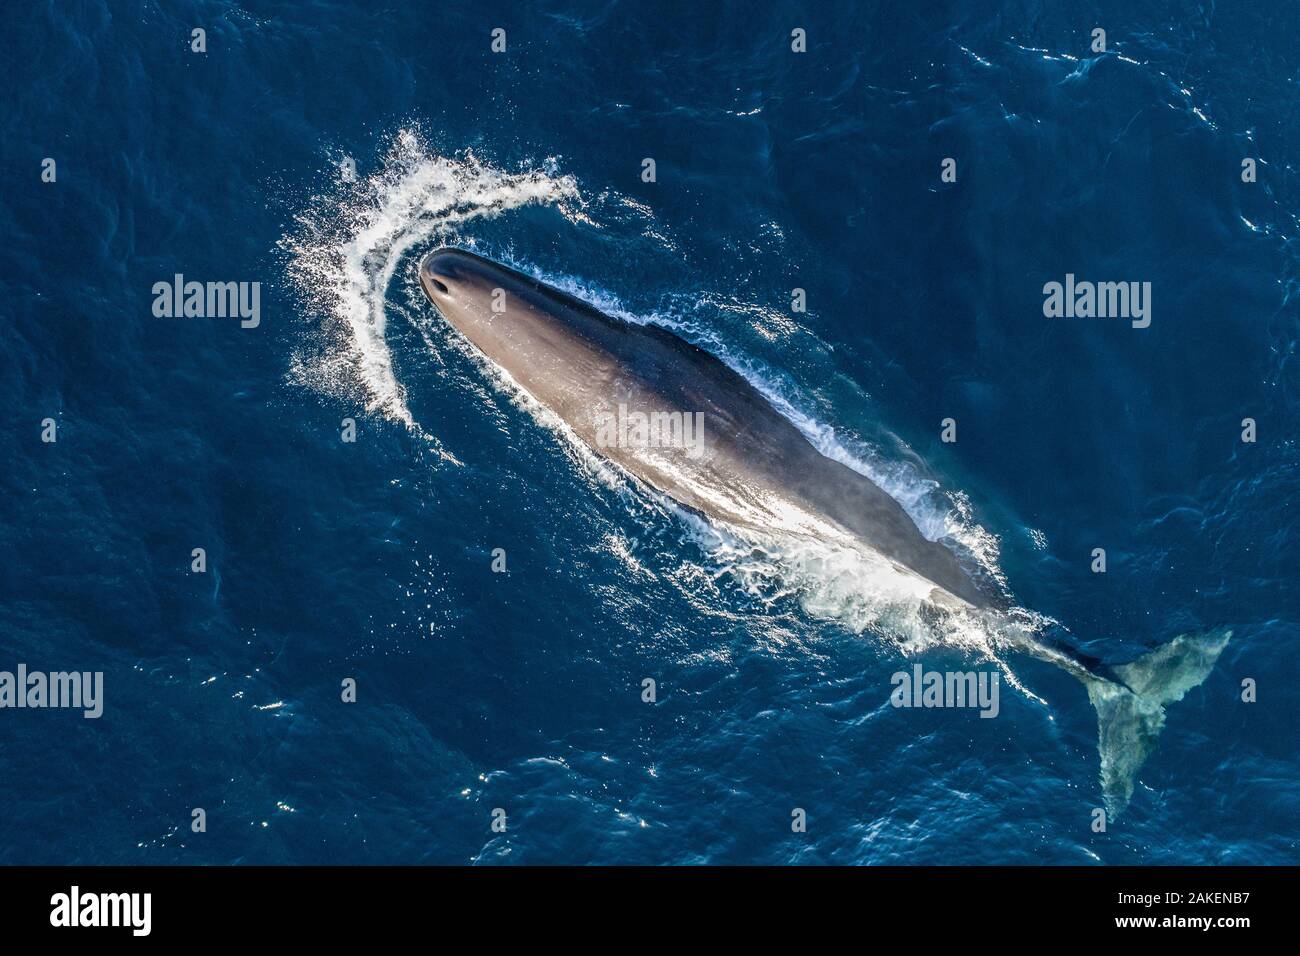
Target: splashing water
(348,244)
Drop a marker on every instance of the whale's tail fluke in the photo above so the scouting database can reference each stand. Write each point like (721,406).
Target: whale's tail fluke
(1131,714)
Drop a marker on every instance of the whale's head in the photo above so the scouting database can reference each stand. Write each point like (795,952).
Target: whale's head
(465,286)
(544,338)
(513,318)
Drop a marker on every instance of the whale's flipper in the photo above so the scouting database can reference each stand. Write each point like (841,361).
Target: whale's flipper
(1131,715)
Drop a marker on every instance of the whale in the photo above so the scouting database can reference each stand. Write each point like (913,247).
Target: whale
(747,465)
(682,422)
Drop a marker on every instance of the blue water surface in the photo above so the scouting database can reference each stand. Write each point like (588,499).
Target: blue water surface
(522,691)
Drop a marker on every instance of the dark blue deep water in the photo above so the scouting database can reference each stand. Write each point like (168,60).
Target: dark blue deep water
(371,560)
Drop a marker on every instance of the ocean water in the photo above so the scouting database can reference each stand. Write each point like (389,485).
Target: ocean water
(522,691)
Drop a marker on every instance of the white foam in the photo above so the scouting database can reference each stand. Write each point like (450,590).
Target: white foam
(347,244)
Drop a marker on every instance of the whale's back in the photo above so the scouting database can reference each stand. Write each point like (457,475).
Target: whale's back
(737,458)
